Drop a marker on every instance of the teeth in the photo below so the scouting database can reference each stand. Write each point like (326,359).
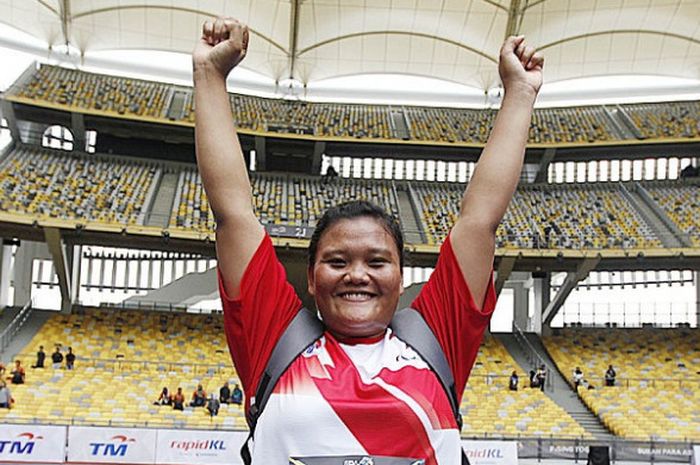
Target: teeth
(356,295)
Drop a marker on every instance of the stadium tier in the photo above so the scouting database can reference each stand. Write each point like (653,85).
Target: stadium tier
(138,99)
(681,203)
(127,357)
(53,184)
(671,120)
(488,407)
(115,190)
(657,390)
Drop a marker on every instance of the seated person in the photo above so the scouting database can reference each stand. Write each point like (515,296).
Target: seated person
(57,358)
(578,377)
(225,393)
(513,383)
(6,399)
(236,395)
(179,400)
(199,397)
(610,375)
(213,405)
(17,374)
(164,398)
(70,359)
(40,357)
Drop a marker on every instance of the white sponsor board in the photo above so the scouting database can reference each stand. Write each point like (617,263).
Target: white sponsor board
(32,443)
(491,452)
(111,445)
(696,455)
(199,447)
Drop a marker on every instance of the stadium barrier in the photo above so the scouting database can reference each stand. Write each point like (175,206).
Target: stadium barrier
(23,443)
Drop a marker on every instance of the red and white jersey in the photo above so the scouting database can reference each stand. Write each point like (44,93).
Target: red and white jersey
(372,397)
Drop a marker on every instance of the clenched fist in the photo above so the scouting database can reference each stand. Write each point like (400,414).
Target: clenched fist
(223,45)
(520,66)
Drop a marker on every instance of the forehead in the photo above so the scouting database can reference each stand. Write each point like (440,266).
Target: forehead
(362,233)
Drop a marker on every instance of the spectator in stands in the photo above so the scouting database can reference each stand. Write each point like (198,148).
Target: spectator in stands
(57,358)
(6,399)
(541,377)
(199,397)
(213,405)
(164,398)
(534,381)
(179,400)
(225,393)
(513,383)
(40,358)
(578,377)
(237,395)
(70,359)
(2,369)
(610,375)
(17,375)
(354,274)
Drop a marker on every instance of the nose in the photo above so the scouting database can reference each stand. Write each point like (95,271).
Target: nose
(356,274)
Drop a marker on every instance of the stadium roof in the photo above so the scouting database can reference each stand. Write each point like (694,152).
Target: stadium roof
(455,41)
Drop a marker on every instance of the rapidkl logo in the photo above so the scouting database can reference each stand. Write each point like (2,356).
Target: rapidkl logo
(117,448)
(24,445)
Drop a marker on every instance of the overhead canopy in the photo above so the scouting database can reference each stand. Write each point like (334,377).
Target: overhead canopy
(450,40)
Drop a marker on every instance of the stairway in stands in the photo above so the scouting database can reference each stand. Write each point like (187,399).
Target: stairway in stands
(557,388)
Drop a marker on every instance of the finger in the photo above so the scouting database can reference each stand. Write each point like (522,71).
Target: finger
(230,26)
(207,31)
(510,44)
(520,49)
(537,61)
(218,30)
(528,52)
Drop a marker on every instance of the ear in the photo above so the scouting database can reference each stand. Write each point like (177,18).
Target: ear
(311,283)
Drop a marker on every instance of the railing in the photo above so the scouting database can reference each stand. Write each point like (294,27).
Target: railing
(533,357)
(14,326)
(657,383)
(120,364)
(627,314)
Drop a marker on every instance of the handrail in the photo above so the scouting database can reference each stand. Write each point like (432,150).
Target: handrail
(533,357)
(14,326)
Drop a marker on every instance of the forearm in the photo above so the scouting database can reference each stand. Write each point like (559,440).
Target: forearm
(497,173)
(219,155)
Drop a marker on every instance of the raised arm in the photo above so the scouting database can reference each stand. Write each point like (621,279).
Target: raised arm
(219,156)
(496,176)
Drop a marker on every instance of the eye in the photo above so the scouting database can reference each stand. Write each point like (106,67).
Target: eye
(335,262)
(378,262)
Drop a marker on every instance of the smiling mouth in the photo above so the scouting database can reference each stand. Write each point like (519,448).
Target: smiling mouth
(356,296)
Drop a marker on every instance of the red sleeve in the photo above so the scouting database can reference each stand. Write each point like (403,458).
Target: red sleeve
(449,309)
(255,321)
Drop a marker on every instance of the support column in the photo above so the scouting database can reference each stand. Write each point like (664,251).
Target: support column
(5,273)
(24,259)
(520,305)
(697,299)
(541,286)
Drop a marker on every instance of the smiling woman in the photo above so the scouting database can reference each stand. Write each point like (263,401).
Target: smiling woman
(327,402)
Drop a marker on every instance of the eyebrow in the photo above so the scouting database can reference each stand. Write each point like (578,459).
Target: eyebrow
(373,250)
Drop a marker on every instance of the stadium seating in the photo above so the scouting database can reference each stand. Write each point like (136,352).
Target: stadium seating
(657,390)
(97,92)
(488,407)
(541,216)
(681,203)
(280,199)
(144,99)
(58,184)
(665,120)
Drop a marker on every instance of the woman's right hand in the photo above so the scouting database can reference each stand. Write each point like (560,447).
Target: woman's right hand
(224,44)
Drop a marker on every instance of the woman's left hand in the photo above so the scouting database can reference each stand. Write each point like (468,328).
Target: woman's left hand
(520,65)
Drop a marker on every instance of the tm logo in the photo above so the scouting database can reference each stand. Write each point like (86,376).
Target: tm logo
(112,449)
(25,444)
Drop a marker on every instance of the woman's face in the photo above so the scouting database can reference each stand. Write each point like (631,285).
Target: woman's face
(356,277)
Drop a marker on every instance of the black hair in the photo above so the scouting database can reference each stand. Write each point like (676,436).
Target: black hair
(355,209)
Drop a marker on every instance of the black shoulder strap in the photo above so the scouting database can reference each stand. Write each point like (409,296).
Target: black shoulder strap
(410,326)
(301,332)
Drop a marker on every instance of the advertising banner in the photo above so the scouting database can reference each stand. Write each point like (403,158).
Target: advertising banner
(32,443)
(696,455)
(199,447)
(491,452)
(660,452)
(111,445)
